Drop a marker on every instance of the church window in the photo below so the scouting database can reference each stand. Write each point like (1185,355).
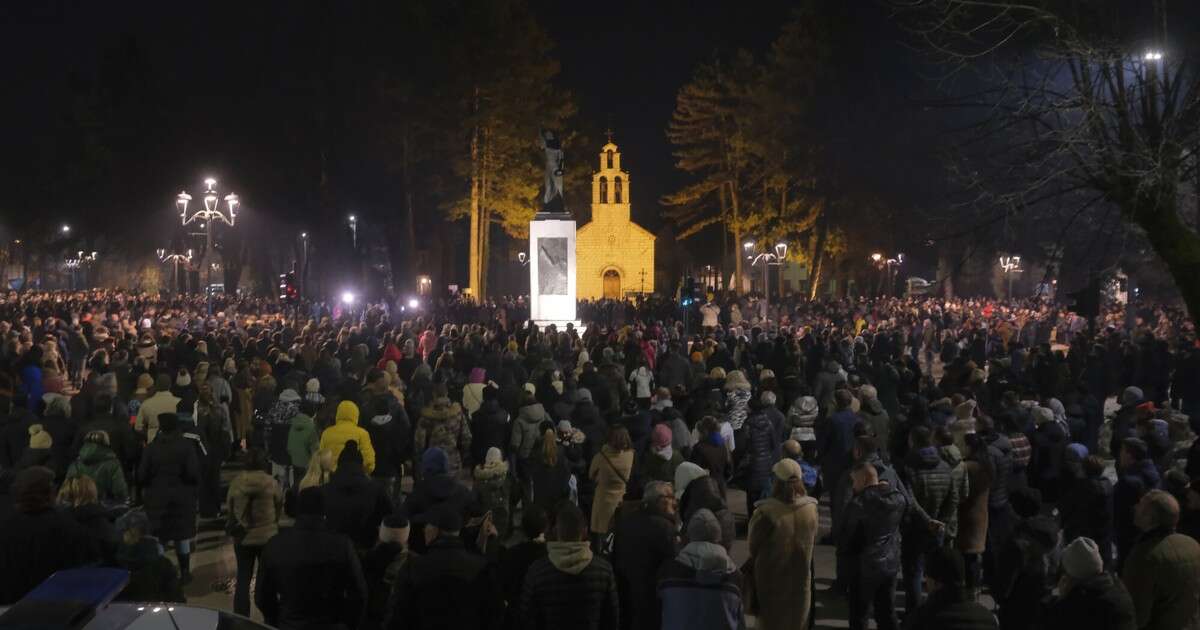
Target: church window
(617,190)
(610,159)
(603,189)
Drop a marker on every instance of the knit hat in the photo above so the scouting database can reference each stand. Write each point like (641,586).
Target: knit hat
(697,357)
(1077,451)
(144,383)
(786,469)
(868,392)
(661,436)
(965,410)
(564,426)
(1042,415)
(350,453)
(704,527)
(394,529)
(313,386)
(477,375)
(38,438)
(1081,558)
(347,412)
(583,394)
(1132,395)
(230,366)
(289,395)
(531,388)
(493,457)
(686,473)
(434,461)
(1136,447)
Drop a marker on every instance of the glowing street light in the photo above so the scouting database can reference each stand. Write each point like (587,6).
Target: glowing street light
(347,297)
(65,229)
(768,259)
(354,231)
(1153,55)
(175,259)
(210,214)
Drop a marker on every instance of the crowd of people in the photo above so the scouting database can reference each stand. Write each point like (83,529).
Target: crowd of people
(456,466)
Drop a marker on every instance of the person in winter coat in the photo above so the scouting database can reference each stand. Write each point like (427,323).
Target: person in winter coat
(170,475)
(493,490)
(571,587)
(447,586)
(1162,571)
(782,534)
(702,492)
(435,488)
(711,451)
(443,425)
(472,397)
(77,496)
(737,392)
(835,444)
(255,501)
(870,533)
(548,474)
(163,401)
(948,607)
(345,428)
(973,515)
(928,478)
(876,417)
(827,381)
(1088,596)
(37,540)
(526,429)
(761,452)
(489,426)
(382,567)
(802,417)
(121,438)
(1086,504)
(310,577)
(354,503)
(303,440)
(98,462)
(277,432)
(390,437)
(644,538)
(1125,422)
(661,458)
(152,577)
(610,470)
(1136,475)
(700,588)
(1049,441)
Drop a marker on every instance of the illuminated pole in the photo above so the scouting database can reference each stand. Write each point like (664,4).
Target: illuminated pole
(211,212)
(767,259)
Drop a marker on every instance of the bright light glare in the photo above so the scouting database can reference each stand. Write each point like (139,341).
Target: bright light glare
(347,298)
(352,219)
(412,303)
(304,235)
(66,229)
(876,256)
(210,182)
(1153,55)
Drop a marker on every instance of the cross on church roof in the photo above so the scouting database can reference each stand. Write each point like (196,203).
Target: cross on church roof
(609,133)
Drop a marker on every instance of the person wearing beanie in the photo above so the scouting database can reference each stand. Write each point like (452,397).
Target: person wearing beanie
(312,392)
(1088,597)
(782,534)
(644,538)
(310,576)
(661,458)
(40,451)
(1136,475)
(169,474)
(493,489)
(36,540)
(700,587)
(345,428)
(383,564)
(163,401)
(447,586)
(435,488)
(1162,570)
(947,605)
(354,503)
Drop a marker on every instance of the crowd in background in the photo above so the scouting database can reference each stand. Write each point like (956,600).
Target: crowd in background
(454,466)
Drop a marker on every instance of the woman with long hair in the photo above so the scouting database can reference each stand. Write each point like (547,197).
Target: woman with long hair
(549,473)
(610,471)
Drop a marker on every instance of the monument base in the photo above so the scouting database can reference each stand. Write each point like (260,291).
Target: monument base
(552,270)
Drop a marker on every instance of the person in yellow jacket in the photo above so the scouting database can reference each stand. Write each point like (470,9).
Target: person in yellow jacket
(345,428)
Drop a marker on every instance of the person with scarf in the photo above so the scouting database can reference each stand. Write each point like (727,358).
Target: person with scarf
(661,458)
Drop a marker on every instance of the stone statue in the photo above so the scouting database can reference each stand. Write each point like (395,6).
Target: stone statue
(552,199)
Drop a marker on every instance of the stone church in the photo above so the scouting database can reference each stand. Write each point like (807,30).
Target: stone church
(614,255)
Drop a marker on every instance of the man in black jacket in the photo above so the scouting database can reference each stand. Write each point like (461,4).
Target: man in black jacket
(928,478)
(355,503)
(1088,597)
(448,586)
(644,539)
(870,534)
(947,607)
(571,588)
(310,577)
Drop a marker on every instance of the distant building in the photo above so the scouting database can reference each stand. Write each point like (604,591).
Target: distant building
(614,255)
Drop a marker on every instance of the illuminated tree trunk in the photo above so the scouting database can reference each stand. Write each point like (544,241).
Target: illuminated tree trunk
(473,275)
(737,238)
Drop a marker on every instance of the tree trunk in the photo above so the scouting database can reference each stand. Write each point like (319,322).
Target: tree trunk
(485,217)
(473,268)
(817,256)
(737,238)
(1178,247)
(945,273)
(726,228)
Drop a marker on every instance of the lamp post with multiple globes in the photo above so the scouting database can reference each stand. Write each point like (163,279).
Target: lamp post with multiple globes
(210,213)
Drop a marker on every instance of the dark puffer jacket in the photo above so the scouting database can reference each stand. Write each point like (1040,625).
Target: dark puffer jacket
(762,453)
(585,599)
(1097,603)
(1132,483)
(871,529)
(928,478)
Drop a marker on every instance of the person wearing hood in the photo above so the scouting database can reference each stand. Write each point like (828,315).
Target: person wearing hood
(696,490)
(663,411)
(1048,442)
(762,450)
(1136,475)
(448,586)
(98,461)
(700,588)
(345,428)
(802,418)
(493,490)
(310,577)
(435,487)
(442,425)
(152,577)
(163,401)
(526,433)
(661,457)
(781,538)
(872,412)
(277,431)
(1088,596)
(169,475)
(571,587)
(390,437)
(644,538)
(489,426)
(354,503)
(255,503)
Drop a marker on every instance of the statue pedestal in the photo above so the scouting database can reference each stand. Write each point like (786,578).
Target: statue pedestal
(552,270)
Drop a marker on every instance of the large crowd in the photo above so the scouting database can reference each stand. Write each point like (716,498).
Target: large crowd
(1003,465)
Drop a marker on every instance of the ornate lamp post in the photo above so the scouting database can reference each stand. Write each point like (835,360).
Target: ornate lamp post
(1010,265)
(767,259)
(210,213)
(175,259)
(79,260)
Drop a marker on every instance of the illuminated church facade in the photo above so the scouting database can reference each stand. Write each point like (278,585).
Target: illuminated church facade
(614,255)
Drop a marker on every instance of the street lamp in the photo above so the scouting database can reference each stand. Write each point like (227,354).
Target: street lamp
(354,231)
(1153,55)
(1010,265)
(767,259)
(303,260)
(210,213)
(175,259)
(887,270)
(79,260)
(65,229)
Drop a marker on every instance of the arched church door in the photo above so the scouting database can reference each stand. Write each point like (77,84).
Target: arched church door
(612,285)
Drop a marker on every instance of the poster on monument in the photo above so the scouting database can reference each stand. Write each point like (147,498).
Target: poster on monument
(552,266)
